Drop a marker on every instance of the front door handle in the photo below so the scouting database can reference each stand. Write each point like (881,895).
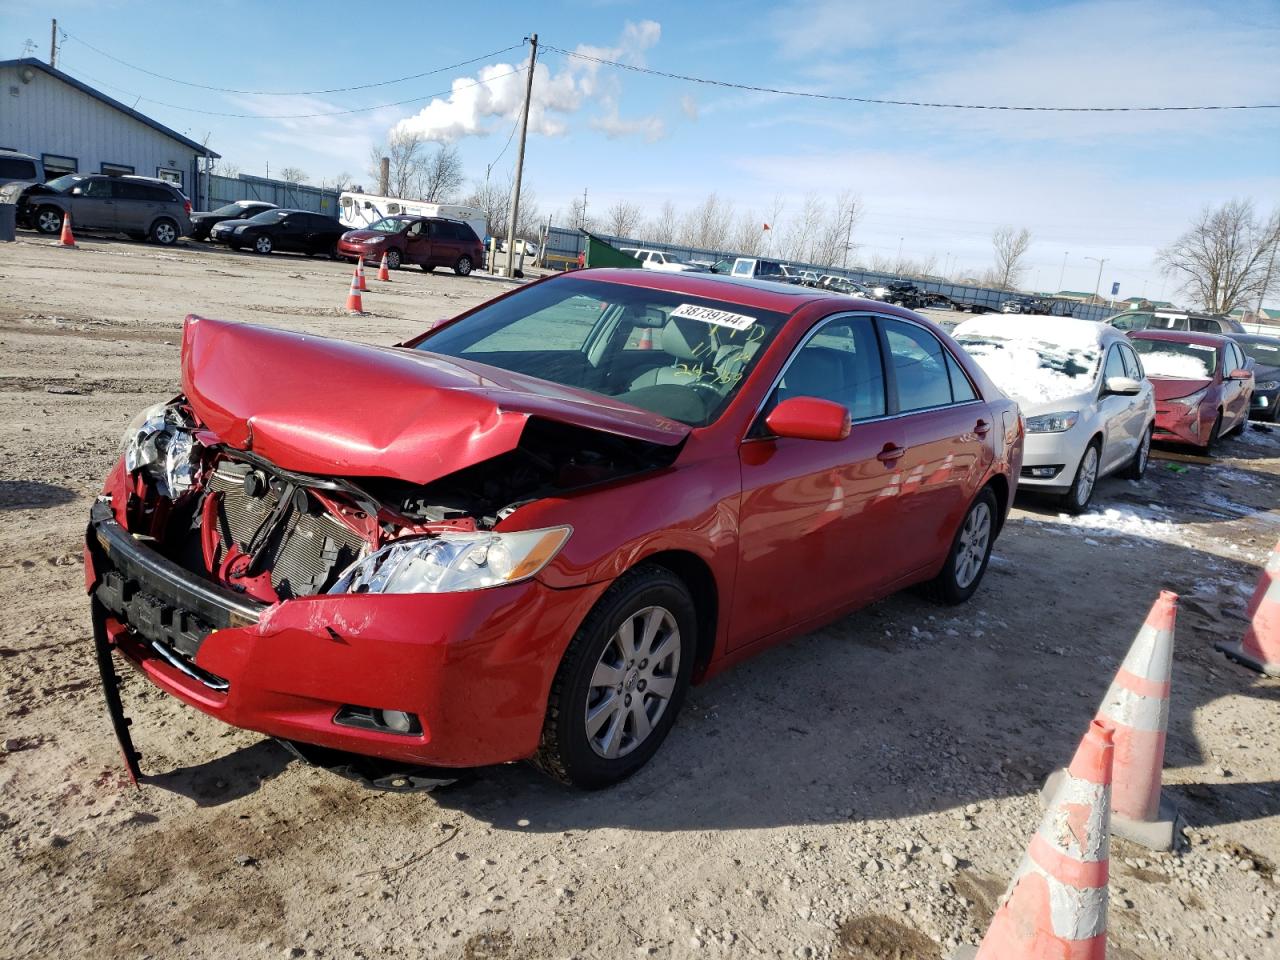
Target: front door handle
(982,428)
(890,453)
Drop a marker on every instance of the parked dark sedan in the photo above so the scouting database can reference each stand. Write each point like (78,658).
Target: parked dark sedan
(202,223)
(296,230)
(429,242)
(1264,351)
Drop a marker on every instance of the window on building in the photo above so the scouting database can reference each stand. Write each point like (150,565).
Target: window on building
(170,176)
(58,166)
(116,169)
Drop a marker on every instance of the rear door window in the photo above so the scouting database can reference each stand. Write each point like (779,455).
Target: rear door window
(15,168)
(1132,365)
(1115,364)
(919,366)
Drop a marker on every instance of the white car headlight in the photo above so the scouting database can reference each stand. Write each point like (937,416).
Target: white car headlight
(1053,422)
(453,562)
(159,440)
(1267,385)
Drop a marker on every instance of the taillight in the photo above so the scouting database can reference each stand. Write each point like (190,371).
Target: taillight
(186,207)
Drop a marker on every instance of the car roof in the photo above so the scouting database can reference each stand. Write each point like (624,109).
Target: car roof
(763,294)
(10,152)
(1257,337)
(1182,336)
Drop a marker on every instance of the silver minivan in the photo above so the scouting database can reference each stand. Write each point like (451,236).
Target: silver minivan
(16,166)
(143,208)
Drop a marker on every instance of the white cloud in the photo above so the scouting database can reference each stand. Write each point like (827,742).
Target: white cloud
(478,104)
(689,106)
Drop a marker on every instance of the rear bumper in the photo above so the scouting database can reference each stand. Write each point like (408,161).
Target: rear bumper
(474,668)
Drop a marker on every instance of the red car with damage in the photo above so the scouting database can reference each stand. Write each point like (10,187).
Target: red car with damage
(1203,385)
(525,532)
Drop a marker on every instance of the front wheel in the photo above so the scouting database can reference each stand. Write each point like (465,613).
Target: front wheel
(262,244)
(1211,441)
(970,552)
(463,266)
(393,259)
(165,233)
(1137,468)
(621,682)
(1078,497)
(48,219)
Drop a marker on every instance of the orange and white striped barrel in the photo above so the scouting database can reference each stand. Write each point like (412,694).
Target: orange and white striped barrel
(1270,576)
(1261,646)
(1056,905)
(360,281)
(1137,706)
(355,304)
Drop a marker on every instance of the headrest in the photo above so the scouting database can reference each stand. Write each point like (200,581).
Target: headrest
(686,339)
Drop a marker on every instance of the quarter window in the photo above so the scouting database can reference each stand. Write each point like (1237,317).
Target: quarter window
(1132,366)
(840,363)
(961,389)
(919,367)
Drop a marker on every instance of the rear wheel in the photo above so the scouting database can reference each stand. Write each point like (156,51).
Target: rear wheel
(463,266)
(970,552)
(1137,468)
(165,233)
(48,219)
(621,682)
(1076,500)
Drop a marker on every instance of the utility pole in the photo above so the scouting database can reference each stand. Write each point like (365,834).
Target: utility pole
(53,44)
(583,224)
(1063,272)
(848,240)
(1098,286)
(524,130)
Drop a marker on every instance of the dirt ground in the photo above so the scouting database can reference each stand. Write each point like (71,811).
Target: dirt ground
(864,792)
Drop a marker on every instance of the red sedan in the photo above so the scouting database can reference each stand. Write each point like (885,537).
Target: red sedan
(429,242)
(525,532)
(1203,385)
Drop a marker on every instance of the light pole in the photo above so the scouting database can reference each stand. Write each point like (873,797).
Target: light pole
(1098,286)
(1063,272)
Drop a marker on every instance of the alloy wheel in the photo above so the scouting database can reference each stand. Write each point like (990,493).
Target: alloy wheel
(1088,476)
(165,233)
(49,220)
(262,245)
(1144,452)
(393,259)
(975,537)
(633,682)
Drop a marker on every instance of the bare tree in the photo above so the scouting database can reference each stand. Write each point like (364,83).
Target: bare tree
(225,168)
(577,215)
(666,224)
(748,234)
(404,149)
(292,175)
(623,219)
(338,183)
(1226,259)
(707,225)
(441,175)
(1010,247)
(494,199)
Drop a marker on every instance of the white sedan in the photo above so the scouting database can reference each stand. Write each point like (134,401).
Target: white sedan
(1089,406)
(658,260)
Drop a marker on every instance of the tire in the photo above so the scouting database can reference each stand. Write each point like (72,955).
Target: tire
(1206,449)
(570,750)
(1137,467)
(1076,500)
(48,219)
(463,267)
(165,232)
(428,267)
(393,259)
(1239,427)
(262,244)
(969,554)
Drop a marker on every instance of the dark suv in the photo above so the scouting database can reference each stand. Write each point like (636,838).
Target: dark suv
(139,207)
(429,242)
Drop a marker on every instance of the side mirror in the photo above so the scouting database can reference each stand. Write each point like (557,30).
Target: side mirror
(1240,374)
(809,418)
(1123,386)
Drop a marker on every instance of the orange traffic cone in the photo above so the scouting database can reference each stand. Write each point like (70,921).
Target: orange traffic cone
(354,304)
(1260,648)
(1137,708)
(67,239)
(383,273)
(1056,905)
(646,339)
(360,275)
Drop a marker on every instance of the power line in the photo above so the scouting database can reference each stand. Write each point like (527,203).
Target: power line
(291,93)
(297,116)
(893,103)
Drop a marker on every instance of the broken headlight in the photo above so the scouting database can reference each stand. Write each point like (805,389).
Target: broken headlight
(159,442)
(453,562)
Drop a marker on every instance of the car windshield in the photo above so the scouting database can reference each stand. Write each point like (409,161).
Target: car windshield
(65,182)
(230,210)
(269,216)
(680,356)
(1036,361)
(1265,352)
(1177,361)
(388,225)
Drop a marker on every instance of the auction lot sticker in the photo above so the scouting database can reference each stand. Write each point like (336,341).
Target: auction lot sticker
(721,318)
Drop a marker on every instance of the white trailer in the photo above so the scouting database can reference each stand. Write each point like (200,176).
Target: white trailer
(359,210)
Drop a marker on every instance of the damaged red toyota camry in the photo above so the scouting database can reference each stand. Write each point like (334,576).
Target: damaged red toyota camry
(524,533)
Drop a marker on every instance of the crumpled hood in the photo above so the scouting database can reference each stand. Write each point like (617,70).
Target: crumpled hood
(1168,388)
(337,408)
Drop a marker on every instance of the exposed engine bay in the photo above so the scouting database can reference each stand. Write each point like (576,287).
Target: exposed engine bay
(245,523)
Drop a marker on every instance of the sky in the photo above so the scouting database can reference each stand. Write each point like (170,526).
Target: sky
(932,182)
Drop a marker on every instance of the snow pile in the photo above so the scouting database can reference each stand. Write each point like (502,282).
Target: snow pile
(1035,361)
(1177,366)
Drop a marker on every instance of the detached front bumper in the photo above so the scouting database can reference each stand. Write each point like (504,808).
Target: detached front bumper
(474,668)
(1178,423)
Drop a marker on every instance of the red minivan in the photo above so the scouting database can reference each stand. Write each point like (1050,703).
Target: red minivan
(429,242)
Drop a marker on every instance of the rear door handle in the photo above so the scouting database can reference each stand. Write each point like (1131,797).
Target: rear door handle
(890,453)
(982,428)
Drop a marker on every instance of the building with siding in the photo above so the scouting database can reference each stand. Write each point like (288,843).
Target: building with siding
(73,128)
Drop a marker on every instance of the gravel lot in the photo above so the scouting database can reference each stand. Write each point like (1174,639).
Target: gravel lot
(863,792)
